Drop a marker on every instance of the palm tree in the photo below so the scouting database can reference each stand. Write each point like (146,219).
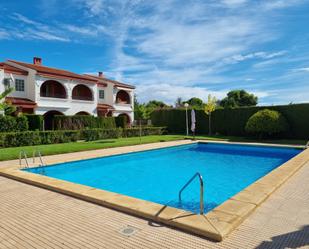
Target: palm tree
(6,107)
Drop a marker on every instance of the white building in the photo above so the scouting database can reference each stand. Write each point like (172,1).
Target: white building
(49,91)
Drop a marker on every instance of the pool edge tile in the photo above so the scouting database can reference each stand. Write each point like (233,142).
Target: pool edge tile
(216,224)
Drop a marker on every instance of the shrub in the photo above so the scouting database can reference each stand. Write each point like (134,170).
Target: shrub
(79,122)
(121,121)
(232,122)
(35,122)
(22,123)
(145,131)
(266,123)
(15,139)
(96,134)
(7,123)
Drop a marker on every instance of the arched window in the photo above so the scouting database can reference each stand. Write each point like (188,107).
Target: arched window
(123,97)
(82,113)
(127,117)
(82,92)
(49,119)
(53,89)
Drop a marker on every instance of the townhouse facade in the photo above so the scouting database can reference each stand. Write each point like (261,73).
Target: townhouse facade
(50,91)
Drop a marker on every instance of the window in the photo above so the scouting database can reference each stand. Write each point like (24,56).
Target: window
(19,85)
(7,83)
(101,94)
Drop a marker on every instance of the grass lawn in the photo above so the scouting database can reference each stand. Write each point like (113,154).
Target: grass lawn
(52,149)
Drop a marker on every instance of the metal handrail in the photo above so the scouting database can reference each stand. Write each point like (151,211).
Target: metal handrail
(201,190)
(23,153)
(37,152)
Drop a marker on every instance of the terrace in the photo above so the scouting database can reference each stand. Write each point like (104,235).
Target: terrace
(275,223)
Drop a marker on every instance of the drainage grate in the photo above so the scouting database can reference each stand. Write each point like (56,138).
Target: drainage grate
(128,231)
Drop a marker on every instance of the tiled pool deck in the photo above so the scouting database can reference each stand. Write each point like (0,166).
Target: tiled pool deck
(36,218)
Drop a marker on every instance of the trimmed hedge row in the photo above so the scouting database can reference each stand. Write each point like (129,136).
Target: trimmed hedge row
(79,122)
(15,139)
(35,122)
(232,122)
(9,123)
(96,134)
(121,121)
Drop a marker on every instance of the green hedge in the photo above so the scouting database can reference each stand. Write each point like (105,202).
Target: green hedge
(79,122)
(35,122)
(15,139)
(96,134)
(9,123)
(121,121)
(145,131)
(267,123)
(232,122)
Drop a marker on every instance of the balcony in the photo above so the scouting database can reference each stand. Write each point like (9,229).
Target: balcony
(53,89)
(82,92)
(123,98)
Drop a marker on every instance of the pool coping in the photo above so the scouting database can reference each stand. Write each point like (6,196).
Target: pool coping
(215,225)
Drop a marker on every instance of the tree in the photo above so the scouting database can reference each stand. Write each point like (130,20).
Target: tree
(6,106)
(195,102)
(178,102)
(156,104)
(140,111)
(143,111)
(266,123)
(210,107)
(239,98)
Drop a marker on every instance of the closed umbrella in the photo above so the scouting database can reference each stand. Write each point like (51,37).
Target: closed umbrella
(193,121)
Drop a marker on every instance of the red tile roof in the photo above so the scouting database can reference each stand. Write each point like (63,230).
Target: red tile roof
(10,69)
(105,106)
(54,72)
(106,81)
(21,102)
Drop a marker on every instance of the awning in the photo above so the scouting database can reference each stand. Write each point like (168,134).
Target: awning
(103,107)
(21,102)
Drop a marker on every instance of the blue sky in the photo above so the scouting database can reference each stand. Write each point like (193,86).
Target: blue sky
(169,48)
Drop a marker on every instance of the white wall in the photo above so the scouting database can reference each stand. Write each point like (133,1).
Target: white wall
(1,80)
(67,106)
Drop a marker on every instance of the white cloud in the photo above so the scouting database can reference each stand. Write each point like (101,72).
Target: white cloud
(257,55)
(90,31)
(233,2)
(279,4)
(169,93)
(28,29)
(302,69)
(4,34)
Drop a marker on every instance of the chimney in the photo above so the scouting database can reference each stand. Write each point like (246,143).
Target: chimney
(37,61)
(101,75)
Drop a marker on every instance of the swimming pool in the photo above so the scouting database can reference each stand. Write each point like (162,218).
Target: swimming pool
(158,175)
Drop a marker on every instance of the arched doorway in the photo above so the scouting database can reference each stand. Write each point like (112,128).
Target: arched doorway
(123,97)
(49,119)
(127,117)
(53,89)
(83,113)
(82,92)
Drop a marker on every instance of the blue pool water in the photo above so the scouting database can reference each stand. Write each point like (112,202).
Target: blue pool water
(158,175)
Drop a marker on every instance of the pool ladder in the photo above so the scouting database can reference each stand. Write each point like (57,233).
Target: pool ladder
(35,153)
(307,145)
(201,190)
(23,155)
